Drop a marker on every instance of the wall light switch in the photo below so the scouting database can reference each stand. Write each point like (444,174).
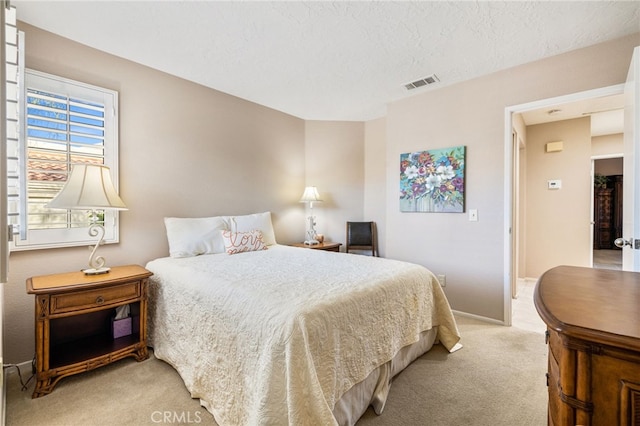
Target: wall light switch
(473,215)
(554,184)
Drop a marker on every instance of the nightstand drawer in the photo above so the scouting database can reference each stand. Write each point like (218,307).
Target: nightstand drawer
(90,299)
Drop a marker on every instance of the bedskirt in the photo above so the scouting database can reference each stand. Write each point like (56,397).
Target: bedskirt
(373,390)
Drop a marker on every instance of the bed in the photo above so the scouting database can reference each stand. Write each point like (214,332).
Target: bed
(283,335)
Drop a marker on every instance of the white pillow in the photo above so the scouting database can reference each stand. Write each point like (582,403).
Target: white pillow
(241,242)
(194,236)
(249,222)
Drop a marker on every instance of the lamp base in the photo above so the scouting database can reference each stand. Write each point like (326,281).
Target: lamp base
(96,271)
(311,242)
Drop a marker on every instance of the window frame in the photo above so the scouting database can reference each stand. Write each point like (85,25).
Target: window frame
(32,239)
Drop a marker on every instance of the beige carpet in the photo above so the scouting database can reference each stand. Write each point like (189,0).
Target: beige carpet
(498,378)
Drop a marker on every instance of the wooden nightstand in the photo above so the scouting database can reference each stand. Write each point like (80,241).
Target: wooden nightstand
(326,246)
(74,315)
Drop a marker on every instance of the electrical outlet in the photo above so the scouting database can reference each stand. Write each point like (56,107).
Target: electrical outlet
(442,278)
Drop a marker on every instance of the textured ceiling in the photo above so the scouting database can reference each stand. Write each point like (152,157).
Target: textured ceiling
(331,60)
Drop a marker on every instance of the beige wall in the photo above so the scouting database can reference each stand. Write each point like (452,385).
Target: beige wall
(190,151)
(609,166)
(334,163)
(558,220)
(186,150)
(375,167)
(471,113)
(543,249)
(607,145)
(546,248)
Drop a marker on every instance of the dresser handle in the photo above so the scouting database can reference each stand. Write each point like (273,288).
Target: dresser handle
(546,337)
(547,379)
(99,300)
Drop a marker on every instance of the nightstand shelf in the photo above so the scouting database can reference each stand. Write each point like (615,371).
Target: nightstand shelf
(90,347)
(74,314)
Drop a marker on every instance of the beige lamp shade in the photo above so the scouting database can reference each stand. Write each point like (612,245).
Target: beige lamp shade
(88,187)
(310,195)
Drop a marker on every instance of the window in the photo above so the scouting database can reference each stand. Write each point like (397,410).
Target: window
(63,122)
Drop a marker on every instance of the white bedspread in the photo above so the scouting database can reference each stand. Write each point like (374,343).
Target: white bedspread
(276,337)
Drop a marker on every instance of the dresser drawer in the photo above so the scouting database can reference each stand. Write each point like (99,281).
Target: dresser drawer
(555,343)
(559,412)
(95,298)
(553,374)
(556,405)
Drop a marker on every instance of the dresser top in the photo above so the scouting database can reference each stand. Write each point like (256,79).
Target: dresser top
(594,304)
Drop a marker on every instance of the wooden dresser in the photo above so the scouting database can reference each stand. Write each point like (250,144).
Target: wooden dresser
(593,331)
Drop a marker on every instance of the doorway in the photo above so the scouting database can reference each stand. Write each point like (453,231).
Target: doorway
(577,105)
(608,176)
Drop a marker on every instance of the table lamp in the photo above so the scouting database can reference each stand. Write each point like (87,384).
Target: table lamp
(89,187)
(311,196)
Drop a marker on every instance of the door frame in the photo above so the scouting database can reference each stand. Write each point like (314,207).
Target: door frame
(594,158)
(510,192)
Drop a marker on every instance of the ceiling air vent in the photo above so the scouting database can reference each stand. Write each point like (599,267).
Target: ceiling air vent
(422,82)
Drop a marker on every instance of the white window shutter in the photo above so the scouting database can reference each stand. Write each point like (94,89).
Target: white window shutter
(14,63)
(47,118)
(9,116)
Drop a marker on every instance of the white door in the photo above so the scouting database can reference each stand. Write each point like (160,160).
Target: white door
(631,187)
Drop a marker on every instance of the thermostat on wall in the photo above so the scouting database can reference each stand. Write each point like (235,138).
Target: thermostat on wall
(554,184)
(554,146)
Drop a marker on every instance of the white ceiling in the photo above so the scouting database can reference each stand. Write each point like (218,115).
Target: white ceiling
(607,114)
(332,60)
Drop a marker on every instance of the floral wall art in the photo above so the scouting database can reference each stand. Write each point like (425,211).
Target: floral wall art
(433,180)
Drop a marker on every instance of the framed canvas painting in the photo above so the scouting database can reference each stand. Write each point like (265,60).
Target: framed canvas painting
(433,180)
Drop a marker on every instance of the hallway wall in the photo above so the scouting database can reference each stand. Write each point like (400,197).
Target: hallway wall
(558,220)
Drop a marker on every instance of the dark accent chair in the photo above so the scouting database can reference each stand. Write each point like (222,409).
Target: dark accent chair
(361,236)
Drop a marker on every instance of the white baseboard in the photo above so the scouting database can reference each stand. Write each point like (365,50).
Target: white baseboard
(527,280)
(478,317)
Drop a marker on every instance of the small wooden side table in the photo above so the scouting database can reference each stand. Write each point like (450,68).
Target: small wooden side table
(73,327)
(326,246)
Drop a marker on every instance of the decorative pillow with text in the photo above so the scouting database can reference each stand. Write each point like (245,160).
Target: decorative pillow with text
(256,221)
(241,242)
